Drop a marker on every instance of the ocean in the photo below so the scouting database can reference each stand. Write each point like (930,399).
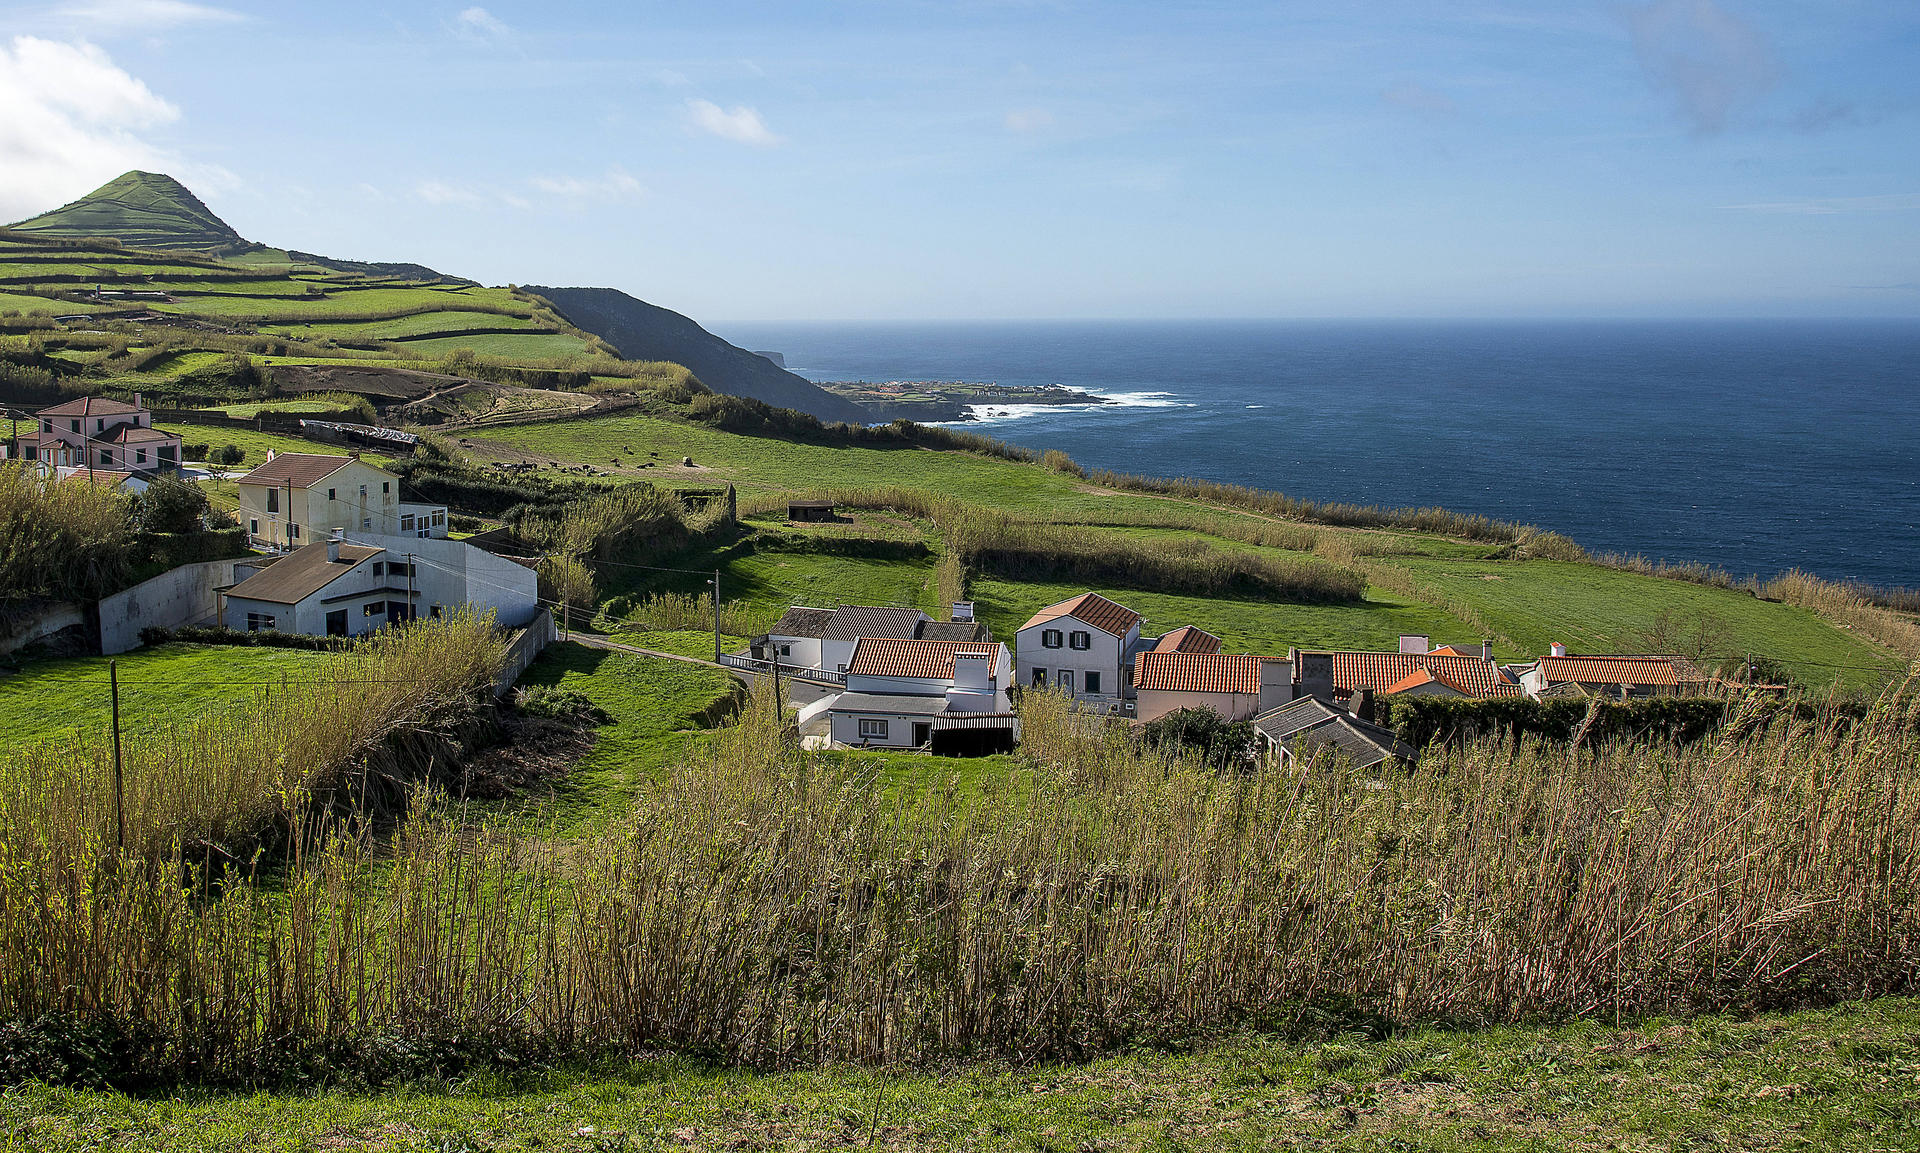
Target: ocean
(1753,446)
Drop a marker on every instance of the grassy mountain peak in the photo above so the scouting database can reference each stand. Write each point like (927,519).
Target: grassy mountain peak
(142,210)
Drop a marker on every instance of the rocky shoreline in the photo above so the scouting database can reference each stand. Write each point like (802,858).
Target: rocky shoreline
(941,401)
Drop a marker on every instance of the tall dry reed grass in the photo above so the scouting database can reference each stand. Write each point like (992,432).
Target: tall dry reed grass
(775,907)
(57,539)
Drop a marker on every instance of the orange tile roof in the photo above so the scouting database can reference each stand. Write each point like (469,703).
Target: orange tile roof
(1188,639)
(1610,670)
(1418,677)
(1381,671)
(928,660)
(100,475)
(1092,609)
(1197,672)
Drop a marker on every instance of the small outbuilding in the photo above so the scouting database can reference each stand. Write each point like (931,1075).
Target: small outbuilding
(811,510)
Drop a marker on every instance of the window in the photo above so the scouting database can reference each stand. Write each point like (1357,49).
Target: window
(76,426)
(106,456)
(253,526)
(434,612)
(366,522)
(1093,683)
(331,494)
(1050,638)
(139,456)
(1039,678)
(386,486)
(374,609)
(379,568)
(786,650)
(273,500)
(293,531)
(873,729)
(406,522)
(99,426)
(337,623)
(399,568)
(258,621)
(46,426)
(1080,640)
(1066,681)
(439,518)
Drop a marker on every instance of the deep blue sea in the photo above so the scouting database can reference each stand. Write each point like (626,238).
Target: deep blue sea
(1756,446)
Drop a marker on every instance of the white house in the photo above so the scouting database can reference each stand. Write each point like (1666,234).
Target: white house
(1083,647)
(297,497)
(1620,677)
(1238,687)
(816,638)
(346,587)
(896,687)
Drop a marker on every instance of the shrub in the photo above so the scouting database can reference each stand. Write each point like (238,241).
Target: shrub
(560,704)
(1217,741)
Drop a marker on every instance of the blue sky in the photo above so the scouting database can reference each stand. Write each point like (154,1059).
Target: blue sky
(761,161)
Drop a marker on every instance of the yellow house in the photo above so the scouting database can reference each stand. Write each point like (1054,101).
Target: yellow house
(298,497)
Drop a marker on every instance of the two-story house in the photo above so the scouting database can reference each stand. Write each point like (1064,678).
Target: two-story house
(298,497)
(1082,647)
(96,433)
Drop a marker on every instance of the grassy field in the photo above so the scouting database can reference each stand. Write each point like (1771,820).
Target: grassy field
(256,444)
(652,702)
(158,687)
(1838,1079)
(421,324)
(532,345)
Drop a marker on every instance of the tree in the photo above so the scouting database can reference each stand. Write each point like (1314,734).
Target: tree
(223,458)
(170,505)
(1221,743)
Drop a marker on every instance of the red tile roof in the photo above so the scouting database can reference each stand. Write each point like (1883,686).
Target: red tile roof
(296,469)
(1197,672)
(130,434)
(1382,671)
(1610,670)
(1092,609)
(1188,639)
(1418,677)
(107,476)
(928,660)
(91,406)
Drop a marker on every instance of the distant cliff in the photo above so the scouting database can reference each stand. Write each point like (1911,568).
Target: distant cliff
(643,331)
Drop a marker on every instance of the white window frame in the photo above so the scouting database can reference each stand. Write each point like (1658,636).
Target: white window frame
(873,728)
(1079,641)
(1051,638)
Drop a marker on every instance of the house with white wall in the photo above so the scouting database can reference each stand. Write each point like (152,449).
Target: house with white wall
(299,497)
(1619,677)
(1237,686)
(821,638)
(350,586)
(896,687)
(1082,647)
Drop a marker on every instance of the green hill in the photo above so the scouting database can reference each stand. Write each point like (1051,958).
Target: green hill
(140,209)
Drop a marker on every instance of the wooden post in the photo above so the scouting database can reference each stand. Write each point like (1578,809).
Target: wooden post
(119,778)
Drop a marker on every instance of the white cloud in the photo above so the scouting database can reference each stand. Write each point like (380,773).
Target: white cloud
(479,24)
(144,15)
(617,184)
(73,120)
(1028,120)
(440,193)
(1710,61)
(742,124)
(1833,205)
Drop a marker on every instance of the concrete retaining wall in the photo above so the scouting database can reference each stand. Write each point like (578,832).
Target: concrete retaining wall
(522,649)
(57,617)
(175,598)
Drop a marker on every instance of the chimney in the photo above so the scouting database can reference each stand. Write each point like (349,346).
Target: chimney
(1415,644)
(1360,704)
(136,400)
(1557,649)
(271,453)
(962,610)
(333,546)
(1486,648)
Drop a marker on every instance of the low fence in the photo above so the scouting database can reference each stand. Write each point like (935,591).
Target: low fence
(525,645)
(792,672)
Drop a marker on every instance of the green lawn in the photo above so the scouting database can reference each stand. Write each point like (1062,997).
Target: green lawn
(421,324)
(158,686)
(772,579)
(532,345)
(1595,609)
(256,444)
(1845,1079)
(655,704)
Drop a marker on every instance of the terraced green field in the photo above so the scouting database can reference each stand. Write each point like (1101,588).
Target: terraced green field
(420,324)
(533,345)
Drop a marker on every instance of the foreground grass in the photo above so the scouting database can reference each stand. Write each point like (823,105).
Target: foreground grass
(1842,1078)
(167,684)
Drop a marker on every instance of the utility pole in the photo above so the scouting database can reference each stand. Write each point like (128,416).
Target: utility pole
(119,778)
(716,620)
